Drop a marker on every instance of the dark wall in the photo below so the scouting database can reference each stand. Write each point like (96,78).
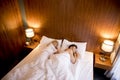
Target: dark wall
(77,20)
(12,35)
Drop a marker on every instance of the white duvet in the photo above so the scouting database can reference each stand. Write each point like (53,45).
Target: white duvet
(39,66)
(55,67)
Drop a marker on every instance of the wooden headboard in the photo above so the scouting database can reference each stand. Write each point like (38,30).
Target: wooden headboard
(76,20)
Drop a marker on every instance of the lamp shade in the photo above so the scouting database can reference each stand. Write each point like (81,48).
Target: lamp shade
(107,46)
(29,32)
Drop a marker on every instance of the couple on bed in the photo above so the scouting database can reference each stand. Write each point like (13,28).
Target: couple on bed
(61,65)
(58,57)
(71,50)
(49,66)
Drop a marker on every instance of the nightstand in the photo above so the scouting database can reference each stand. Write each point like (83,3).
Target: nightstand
(106,65)
(32,46)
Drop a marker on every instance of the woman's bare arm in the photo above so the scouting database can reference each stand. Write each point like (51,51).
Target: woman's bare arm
(72,57)
(76,56)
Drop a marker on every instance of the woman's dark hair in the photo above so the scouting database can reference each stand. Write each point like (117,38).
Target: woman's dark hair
(72,45)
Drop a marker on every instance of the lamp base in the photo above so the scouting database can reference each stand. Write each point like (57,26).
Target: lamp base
(29,43)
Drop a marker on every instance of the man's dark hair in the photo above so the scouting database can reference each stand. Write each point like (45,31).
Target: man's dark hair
(72,45)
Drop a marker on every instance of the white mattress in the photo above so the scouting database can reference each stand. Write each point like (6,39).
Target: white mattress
(84,72)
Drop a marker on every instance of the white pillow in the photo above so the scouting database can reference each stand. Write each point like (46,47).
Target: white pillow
(46,40)
(81,46)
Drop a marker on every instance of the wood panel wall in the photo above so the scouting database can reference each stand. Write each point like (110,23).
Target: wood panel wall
(12,35)
(76,20)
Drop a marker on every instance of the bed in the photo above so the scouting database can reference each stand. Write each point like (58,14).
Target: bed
(37,66)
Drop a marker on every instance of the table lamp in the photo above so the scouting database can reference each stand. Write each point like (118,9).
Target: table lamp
(29,34)
(107,48)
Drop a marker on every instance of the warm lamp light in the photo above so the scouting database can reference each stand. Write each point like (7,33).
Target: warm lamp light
(107,47)
(29,34)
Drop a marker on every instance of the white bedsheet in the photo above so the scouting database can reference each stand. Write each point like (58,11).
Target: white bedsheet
(30,69)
